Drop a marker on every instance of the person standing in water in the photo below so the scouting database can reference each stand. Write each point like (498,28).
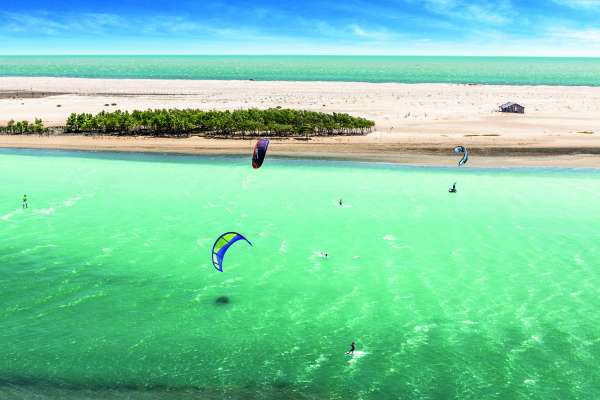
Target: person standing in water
(25,205)
(352,348)
(341,204)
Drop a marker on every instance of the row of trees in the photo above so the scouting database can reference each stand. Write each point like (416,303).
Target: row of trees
(23,127)
(251,122)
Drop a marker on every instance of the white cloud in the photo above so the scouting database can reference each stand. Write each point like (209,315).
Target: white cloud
(51,25)
(358,31)
(377,34)
(75,25)
(25,23)
(496,13)
(589,4)
(583,35)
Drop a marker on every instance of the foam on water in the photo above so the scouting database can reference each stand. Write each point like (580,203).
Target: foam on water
(357,355)
(45,211)
(71,201)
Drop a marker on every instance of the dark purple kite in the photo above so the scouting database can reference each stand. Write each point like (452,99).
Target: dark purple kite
(259,153)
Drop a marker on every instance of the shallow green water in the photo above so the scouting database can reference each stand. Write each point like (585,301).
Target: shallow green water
(483,70)
(106,287)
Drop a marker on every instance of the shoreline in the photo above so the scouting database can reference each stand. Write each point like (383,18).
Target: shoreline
(213,80)
(16,81)
(335,149)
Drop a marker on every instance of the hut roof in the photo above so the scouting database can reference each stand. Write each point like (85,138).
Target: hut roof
(509,104)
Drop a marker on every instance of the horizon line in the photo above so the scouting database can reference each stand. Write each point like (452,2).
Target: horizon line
(289,55)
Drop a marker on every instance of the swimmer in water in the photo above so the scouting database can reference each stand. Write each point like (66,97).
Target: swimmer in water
(352,348)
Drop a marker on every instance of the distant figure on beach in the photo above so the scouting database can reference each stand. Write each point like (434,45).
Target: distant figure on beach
(352,348)
(25,205)
(453,188)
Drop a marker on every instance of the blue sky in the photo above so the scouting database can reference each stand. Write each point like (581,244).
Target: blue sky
(438,27)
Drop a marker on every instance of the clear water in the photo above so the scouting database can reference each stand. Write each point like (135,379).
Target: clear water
(106,285)
(483,70)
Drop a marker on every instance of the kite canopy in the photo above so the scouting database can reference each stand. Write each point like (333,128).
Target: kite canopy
(465,158)
(222,244)
(260,151)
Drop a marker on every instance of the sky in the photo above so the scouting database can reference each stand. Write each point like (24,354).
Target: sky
(330,27)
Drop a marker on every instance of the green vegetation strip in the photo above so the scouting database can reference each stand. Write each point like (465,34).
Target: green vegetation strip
(21,127)
(238,123)
(174,122)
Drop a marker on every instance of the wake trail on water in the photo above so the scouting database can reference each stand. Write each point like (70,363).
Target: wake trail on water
(68,203)
(356,356)
(9,215)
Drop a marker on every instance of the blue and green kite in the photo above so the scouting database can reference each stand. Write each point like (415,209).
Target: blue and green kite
(222,244)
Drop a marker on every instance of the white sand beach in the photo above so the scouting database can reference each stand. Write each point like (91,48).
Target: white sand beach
(415,123)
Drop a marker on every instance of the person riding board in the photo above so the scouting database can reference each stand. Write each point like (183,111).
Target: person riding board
(352,348)
(453,188)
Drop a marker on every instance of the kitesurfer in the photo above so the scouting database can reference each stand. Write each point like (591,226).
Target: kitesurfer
(352,348)
(453,188)
(25,205)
